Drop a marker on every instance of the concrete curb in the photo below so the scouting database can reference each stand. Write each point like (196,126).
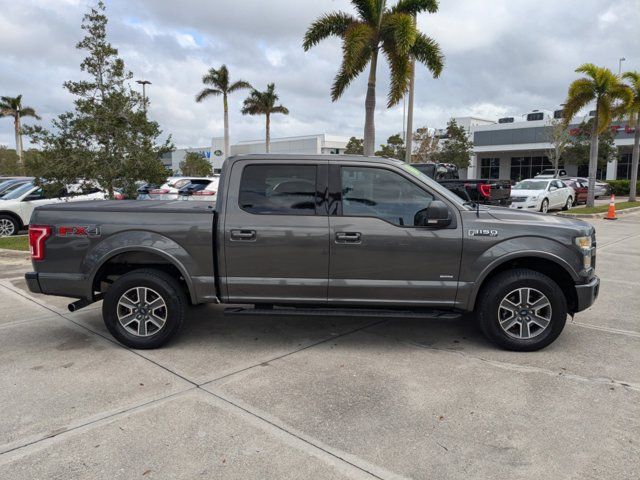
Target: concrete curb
(5,252)
(599,215)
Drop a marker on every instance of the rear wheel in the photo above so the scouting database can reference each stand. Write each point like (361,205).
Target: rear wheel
(8,226)
(522,310)
(144,308)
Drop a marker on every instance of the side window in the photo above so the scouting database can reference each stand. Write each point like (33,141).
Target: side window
(278,189)
(375,192)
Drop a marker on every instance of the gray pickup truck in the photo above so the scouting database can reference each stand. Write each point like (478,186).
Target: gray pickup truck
(317,235)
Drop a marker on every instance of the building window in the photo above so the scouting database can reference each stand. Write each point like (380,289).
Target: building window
(528,167)
(624,167)
(490,168)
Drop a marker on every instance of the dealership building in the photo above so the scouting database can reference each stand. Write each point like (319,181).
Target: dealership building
(306,144)
(518,147)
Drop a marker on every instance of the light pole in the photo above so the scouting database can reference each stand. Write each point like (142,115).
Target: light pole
(144,83)
(622,59)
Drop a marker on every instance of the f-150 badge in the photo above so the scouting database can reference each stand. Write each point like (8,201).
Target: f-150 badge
(483,233)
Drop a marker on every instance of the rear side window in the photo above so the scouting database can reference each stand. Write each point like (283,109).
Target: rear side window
(278,189)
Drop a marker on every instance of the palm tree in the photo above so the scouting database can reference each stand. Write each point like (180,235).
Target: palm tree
(612,98)
(634,118)
(375,27)
(12,107)
(219,80)
(264,103)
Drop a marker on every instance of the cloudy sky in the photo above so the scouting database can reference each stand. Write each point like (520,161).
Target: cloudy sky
(503,57)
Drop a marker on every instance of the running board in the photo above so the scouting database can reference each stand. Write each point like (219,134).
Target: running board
(344,312)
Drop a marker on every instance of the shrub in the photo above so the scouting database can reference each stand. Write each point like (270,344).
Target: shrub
(621,187)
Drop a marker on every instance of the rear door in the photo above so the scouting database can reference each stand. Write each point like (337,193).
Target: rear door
(378,257)
(276,232)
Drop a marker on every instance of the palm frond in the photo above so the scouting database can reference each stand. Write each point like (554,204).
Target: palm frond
(366,9)
(335,23)
(280,109)
(239,85)
(400,69)
(588,69)
(401,28)
(581,93)
(29,112)
(413,7)
(344,78)
(208,92)
(427,51)
(357,41)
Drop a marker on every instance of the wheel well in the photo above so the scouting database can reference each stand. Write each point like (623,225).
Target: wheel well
(542,265)
(127,262)
(15,217)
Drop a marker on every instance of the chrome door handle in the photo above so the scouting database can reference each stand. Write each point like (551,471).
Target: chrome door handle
(348,237)
(246,235)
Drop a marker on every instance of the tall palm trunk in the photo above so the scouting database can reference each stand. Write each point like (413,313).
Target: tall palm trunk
(268,133)
(633,184)
(18,132)
(593,161)
(370,108)
(227,153)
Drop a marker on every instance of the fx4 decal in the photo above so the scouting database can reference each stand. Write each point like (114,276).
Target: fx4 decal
(78,231)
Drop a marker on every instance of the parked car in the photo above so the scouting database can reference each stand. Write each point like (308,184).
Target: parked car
(171,189)
(542,194)
(7,185)
(200,191)
(603,189)
(17,206)
(304,235)
(581,189)
(552,173)
(484,191)
(438,171)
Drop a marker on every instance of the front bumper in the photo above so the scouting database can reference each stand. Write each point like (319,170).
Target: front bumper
(587,294)
(525,205)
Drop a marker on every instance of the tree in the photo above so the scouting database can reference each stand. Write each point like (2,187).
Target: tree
(376,27)
(634,119)
(355,146)
(219,80)
(611,97)
(558,136)
(108,137)
(12,107)
(425,146)
(264,103)
(579,146)
(393,149)
(195,165)
(457,147)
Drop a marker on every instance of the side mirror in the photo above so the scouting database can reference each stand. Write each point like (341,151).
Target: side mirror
(552,188)
(437,215)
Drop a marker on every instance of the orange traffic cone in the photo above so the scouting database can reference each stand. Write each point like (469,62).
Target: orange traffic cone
(611,214)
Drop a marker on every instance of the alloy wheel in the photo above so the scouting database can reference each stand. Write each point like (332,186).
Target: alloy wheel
(524,313)
(7,227)
(142,311)
(545,206)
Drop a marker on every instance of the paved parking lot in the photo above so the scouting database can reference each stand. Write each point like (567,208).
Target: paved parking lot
(314,398)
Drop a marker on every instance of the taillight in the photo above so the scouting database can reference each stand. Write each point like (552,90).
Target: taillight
(118,196)
(205,192)
(485,189)
(38,235)
(159,191)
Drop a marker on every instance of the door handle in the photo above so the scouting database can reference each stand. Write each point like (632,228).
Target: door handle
(348,237)
(245,235)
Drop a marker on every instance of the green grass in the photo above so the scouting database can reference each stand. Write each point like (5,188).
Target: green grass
(20,242)
(603,208)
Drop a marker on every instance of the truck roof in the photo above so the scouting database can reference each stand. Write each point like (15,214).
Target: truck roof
(312,157)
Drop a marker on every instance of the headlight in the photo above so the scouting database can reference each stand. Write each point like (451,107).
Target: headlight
(532,198)
(584,244)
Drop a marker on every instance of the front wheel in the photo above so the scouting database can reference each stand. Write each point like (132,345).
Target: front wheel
(8,226)
(569,204)
(144,308)
(544,208)
(522,310)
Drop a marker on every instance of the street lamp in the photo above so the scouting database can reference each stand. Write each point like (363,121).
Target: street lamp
(622,59)
(144,83)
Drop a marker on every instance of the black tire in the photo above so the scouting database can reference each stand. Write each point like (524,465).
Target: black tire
(8,226)
(498,288)
(159,284)
(568,204)
(542,205)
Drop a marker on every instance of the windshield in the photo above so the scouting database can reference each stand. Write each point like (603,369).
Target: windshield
(530,185)
(432,183)
(18,192)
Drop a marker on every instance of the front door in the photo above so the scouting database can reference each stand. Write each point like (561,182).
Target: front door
(277,232)
(378,255)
